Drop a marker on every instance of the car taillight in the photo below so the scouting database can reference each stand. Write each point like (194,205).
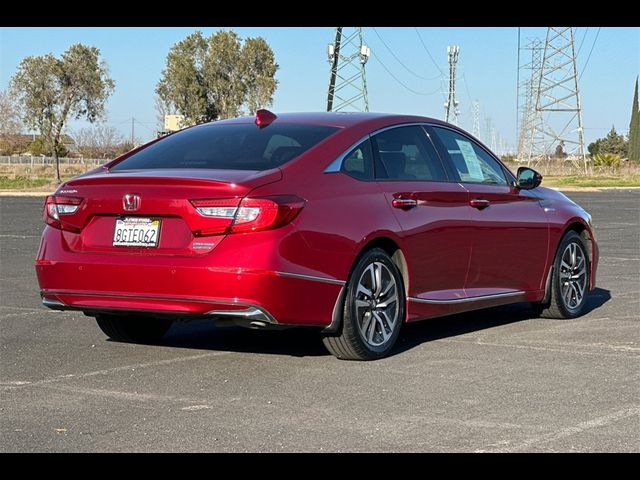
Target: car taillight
(250,214)
(56,206)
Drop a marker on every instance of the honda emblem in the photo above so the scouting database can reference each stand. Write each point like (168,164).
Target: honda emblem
(131,202)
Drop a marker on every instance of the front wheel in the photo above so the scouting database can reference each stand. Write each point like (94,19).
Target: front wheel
(373,310)
(131,329)
(569,280)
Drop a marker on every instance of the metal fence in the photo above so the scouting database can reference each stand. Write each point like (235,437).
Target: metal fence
(42,160)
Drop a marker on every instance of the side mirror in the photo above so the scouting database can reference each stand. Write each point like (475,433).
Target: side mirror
(528,178)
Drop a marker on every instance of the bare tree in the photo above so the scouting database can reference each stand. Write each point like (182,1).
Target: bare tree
(99,141)
(10,123)
(163,107)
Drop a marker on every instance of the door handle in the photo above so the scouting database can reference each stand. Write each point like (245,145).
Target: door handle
(404,203)
(479,203)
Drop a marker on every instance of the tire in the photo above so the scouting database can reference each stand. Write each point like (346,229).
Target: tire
(131,329)
(569,286)
(373,310)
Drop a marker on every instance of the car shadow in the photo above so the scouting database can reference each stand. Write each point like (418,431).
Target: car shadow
(204,335)
(414,334)
(305,342)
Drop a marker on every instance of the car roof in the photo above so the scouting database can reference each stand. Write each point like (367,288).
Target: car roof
(336,119)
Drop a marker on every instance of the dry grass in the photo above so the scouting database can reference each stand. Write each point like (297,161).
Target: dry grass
(38,177)
(556,173)
(560,173)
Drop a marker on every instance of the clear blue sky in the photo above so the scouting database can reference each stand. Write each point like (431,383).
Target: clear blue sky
(487,69)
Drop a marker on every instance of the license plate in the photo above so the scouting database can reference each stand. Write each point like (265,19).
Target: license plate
(136,232)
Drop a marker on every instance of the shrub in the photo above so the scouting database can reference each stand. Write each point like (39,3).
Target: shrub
(606,160)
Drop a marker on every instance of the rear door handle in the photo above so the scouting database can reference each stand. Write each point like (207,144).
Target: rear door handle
(479,203)
(404,203)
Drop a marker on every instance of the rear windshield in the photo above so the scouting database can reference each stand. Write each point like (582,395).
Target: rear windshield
(228,147)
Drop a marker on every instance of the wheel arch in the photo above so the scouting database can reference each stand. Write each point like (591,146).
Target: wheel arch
(393,249)
(579,226)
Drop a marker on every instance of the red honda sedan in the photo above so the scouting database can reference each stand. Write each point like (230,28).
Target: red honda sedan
(352,223)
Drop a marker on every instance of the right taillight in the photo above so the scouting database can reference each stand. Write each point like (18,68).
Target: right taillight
(57,206)
(248,215)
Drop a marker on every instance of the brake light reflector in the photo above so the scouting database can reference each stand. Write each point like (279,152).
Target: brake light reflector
(216,208)
(264,117)
(54,206)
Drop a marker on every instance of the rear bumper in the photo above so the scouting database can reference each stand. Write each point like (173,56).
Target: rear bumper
(180,286)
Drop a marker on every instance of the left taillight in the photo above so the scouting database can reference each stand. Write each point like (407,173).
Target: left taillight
(248,214)
(56,207)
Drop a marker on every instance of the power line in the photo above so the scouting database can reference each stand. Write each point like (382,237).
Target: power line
(347,79)
(518,87)
(400,61)
(582,42)
(590,52)
(399,81)
(428,52)
(466,86)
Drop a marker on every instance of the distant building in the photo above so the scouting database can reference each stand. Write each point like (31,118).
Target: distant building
(173,123)
(20,144)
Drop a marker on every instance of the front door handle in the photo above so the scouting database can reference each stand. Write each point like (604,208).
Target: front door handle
(479,203)
(404,203)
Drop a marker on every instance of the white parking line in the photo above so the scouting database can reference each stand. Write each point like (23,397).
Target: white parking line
(131,396)
(107,371)
(568,431)
(561,350)
(20,236)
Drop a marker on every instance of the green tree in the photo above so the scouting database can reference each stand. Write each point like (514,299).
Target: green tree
(259,70)
(52,90)
(218,77)
(183,84)
(40,147)
(612,143)
(560,153)
(223,73)
(634,128)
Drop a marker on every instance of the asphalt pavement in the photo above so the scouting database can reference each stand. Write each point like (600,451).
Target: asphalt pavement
(498,380)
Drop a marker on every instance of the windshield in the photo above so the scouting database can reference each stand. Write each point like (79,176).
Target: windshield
(228,147)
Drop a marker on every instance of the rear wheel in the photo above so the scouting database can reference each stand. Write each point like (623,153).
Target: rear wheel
(132,329)
(569,280)
(373,310)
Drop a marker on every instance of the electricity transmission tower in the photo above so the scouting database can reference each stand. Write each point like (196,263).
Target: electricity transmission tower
(451,105)
(475,112)
(529,139)
(558,98)
(347,80)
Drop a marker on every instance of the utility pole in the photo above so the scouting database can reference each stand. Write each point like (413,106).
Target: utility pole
(487,131)
(528,138)
(132,131)
(451,105)
(494,141)
(347,79)
(558,98)
(475,111)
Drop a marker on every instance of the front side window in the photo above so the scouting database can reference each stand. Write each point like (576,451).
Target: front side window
(405,153)
(472,162)
(228,147)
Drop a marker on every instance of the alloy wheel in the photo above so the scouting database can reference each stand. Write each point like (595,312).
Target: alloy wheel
(376,304)
(573,276)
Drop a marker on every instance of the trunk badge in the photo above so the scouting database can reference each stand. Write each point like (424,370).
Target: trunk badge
(131,202)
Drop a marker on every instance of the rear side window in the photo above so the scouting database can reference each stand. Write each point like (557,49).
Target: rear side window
(358,163)
(228,147)
(405,153)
